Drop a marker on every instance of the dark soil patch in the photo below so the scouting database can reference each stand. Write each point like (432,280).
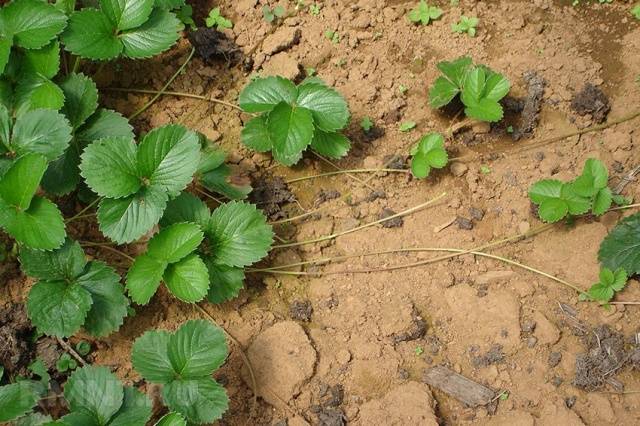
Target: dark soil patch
(591,100)
(301,310)
(396,222)
(493,356)
(396,161)
(16,336)
(271,194)
(325,195)
(328,411)
(212,45)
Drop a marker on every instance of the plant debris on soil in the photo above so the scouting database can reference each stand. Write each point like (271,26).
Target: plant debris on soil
(532,104)
(591,100)
(213,45)
(271,194)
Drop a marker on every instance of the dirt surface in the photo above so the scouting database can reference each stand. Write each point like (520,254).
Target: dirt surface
(359,343)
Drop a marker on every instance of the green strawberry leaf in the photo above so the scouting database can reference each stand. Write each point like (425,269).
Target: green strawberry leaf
(57,308)
(552,210)
(225,282)
(16,400)
(20,182)
(136,409)
(456,71)
(81,98)
(36,92)
(44,61)
(104,123)
(427,153)
(200,400)
(109,167)
(32,23)
(168,157)
(109,307)
(329,109)
(602,201)
(330,144)
(188,279)
(90,34)
(575,203)
(95,391)
(150,358)
(62,175)
(144,277)
(5,51)
(291,131)
(619,279)
(156,35)
(172,419)
(197,349)
(124,220)
(621,248)
(41,131)
(496,87)
(186,208)
(474,84)
(442,92)
(545,189)
(127,14)
(255,134)
(263,94)
(41,226)
(216,181)
(35,419)
(64,264)
(485,110)
(594,177)
(238,234)
(175,242)
(601,292)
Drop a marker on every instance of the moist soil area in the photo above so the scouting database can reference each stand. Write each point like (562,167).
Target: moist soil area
(351,346)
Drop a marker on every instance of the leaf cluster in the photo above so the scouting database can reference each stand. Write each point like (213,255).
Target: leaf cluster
(216,20)
(182,362)
(428,153)
(588,192)
(423,13)
(293,118)
(480,89)
(465,25)
(270,15)
(609,284)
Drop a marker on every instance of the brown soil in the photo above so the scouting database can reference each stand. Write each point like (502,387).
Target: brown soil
(352,347)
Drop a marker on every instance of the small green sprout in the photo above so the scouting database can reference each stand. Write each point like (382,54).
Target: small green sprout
(636,11)
(403,89)
(333,36)
(314,9)
(366,124)
(423,13)
(66,363)
(510,130)
(504,396)
(216,20)
(610,283)
(270,14)
(407,126)
(83,347)
(310,71)
(419,350)
(428,153)
(185,15)
(485,170)
(466,25)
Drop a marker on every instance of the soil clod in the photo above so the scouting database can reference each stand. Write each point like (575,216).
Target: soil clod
(591,100)
(464,223)
(532,104)
(301,310)
(271,194)
(325,195)
(396,222)
(212,45)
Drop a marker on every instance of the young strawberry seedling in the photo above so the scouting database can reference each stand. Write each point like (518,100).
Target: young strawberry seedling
(294,118)
(183,362)
(610,283)
(635,12)
(270,15)
(466,25)
(366,124)
(423,13)
(407,126)
(480,89)
(216,20)
(428,153)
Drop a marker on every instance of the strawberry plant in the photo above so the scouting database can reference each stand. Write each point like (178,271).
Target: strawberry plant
(423,13)
(136,181)
(480,89)
(428,153)
(270,15)
(216,20)
(465,25)
(635,11)
(183,362)
(589,191)
(235,235)
(610,283)
(17,399)
(213,173)
(72,293)
(293,118)
(621,248)
(131,28)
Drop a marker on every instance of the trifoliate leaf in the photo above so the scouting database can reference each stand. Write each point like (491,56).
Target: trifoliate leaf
(263,94)
(329,109)
(594,177)
(44,61)
(104,123)
(575,203)
(610,283)
(188,279)
(291,131)
(127,14)
(456,71)
(175,242)
(172,419)
(155,36)
(81,98)
(126,219)
(150,358)
(41,226)
(485,110)
(238,234)
(144,277)
(63,264)
(36,92)
(91,35)
(168,157)
(16,400)
(217,180)
(255,134)
(442,92)
(109,167)
(42,131)
(94,390)
(109,306)
(330,144)
(621,248)
(32,23)
(20,182)
(427,153)
(602,201)
(58,308)
(424,13)
(225,282)
(199,400)
(186,208)
(135,410)
(197,349)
